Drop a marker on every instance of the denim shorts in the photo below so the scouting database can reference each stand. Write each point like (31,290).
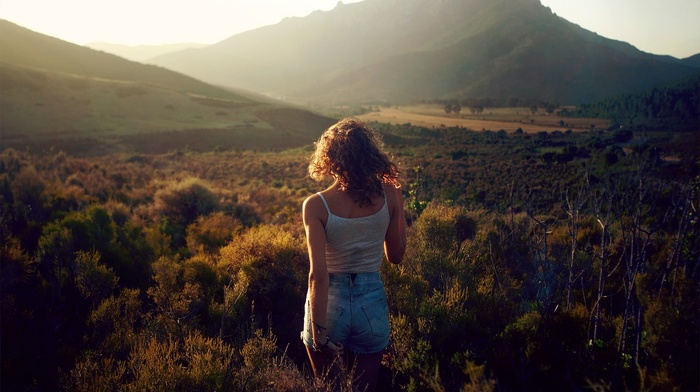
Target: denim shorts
(357,316)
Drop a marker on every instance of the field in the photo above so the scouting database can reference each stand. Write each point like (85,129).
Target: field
(494,119)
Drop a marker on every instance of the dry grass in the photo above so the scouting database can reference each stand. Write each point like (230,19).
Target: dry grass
(508,119)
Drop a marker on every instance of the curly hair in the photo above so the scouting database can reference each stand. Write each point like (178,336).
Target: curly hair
(350,152)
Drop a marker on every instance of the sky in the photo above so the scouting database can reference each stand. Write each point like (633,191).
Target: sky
(654,26)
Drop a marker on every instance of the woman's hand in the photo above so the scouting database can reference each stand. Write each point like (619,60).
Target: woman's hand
(331,349)
(335,349)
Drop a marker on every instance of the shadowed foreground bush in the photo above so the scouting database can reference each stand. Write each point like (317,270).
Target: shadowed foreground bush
(193,364)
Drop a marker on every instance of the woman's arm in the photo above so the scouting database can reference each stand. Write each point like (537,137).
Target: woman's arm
(312,212)
(395,239)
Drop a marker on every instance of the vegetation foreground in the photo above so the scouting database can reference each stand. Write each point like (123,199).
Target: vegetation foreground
(547,261)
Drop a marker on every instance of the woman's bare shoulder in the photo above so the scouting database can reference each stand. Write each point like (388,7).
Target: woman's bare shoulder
(313,201)
(313,209)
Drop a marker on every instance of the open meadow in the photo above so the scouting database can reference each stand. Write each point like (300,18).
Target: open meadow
(494,119)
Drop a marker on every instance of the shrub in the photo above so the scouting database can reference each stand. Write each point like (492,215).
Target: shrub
(209,233)
(175,300)
(259,350)
(179,204)
(274,266)
(95,374)
(194,363)
(27,188)
(112,327)
(201,270)
(93,280)
(436,243)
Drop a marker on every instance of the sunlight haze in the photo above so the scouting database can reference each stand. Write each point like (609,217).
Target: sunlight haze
(659,27)
(652,26)
(153,22)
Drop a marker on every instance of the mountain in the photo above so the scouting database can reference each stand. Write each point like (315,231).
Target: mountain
(403,50)
(57,95)
(141,53)
(693,60)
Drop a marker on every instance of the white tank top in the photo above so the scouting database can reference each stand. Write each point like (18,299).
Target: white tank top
(355,245)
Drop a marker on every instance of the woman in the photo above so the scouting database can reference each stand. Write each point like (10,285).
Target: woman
(349,228)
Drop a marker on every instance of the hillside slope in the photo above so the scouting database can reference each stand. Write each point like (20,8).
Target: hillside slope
(421,49)
(56,95)
(21,46)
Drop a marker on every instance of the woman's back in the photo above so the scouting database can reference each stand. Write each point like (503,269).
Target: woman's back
(354,235)
(342,205)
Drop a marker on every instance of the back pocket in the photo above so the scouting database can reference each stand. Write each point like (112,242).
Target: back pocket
(377,314)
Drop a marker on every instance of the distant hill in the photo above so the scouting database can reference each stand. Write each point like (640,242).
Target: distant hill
(54,94)
(21,46)
(403,50)
(141,53)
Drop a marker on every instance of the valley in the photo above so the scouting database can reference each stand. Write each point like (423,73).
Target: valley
(495,119)
(150,214)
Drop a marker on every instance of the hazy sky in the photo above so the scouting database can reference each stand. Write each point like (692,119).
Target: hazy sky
(655,26)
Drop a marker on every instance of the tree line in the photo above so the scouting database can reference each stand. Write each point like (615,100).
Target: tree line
(477,105)
(672,107)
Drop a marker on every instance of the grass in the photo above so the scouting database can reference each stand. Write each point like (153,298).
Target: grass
(40,102)
(44,110)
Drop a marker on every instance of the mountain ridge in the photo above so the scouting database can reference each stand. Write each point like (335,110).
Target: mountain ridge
(321,57)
